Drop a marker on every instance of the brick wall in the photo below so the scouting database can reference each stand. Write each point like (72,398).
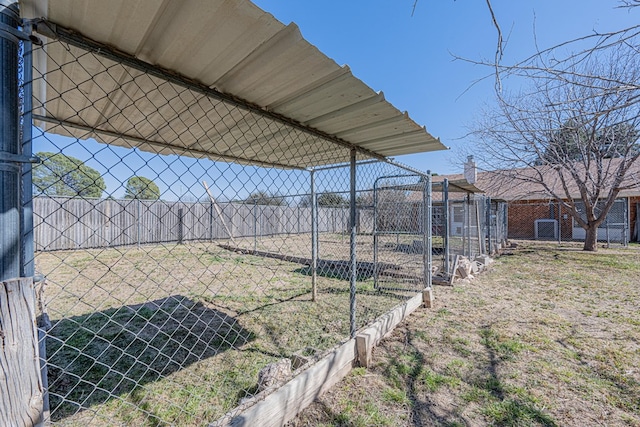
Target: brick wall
(522,216)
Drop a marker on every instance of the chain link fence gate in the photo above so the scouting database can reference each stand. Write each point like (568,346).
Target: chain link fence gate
(401,232)
(464,224)
(168,279)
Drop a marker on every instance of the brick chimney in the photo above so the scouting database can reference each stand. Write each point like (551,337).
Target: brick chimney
(470,170)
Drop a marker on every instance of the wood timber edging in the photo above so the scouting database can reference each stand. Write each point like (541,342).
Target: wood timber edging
(281,406)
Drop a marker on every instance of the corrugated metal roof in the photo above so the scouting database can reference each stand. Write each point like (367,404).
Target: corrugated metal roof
(232,47)
(457,184)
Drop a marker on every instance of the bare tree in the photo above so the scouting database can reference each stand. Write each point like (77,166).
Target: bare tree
(571,131)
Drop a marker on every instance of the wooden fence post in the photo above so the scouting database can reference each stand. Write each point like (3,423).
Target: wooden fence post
(180,225)
(20,381)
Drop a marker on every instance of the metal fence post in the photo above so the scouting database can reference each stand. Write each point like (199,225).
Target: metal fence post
(505,221)
(625,225)
(559,222)
(396,224)
(466,229)
(27,150)
(445,221)
(427,255)
(21,388)
(374,231)
(352,248)
(488,220)
(10,152)
(28,253)
(314,238)
(479,229)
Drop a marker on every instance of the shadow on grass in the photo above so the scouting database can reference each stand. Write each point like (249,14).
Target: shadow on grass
(505,407)
(414,248)
(410,371)
(279,301)
(339,269)
(96,357)
(335,269)
(399,295)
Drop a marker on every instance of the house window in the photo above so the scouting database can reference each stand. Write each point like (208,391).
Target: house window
(458,214)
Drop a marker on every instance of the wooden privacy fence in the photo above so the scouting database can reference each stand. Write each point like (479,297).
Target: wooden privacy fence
(70,223)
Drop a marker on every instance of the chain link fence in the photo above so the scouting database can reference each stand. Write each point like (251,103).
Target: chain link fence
(549,220)
(464,225)
(168,279)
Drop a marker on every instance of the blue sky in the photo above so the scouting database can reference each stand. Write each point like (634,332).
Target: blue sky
(410,58)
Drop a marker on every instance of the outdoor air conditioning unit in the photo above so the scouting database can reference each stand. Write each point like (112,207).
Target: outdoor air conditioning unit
(546,229)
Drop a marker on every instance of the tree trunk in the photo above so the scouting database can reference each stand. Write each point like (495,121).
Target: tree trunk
(591,238)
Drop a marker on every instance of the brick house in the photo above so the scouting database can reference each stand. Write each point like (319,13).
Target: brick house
(534,214)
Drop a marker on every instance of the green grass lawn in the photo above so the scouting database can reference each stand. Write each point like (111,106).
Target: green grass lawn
(549,336)
(176,334)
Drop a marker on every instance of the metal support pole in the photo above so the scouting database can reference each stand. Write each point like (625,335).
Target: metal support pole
(28,253)
(467,215)
(445,220)
(20,368)
(314,238)
(479,230)
(427,243)
(28,264)
(465,218)
(374,230)
(396,225)
(10,149)
(625,225)
(353,259)
(505,217)
(559,222)
(488,219)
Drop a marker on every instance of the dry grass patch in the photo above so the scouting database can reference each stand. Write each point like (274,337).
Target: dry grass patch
(548,336)
(176,334)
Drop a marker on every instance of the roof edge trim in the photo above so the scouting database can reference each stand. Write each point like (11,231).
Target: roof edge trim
(159,145)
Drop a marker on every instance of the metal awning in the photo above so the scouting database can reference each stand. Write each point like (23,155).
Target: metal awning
(457,183)
(227,52)
(458,186)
